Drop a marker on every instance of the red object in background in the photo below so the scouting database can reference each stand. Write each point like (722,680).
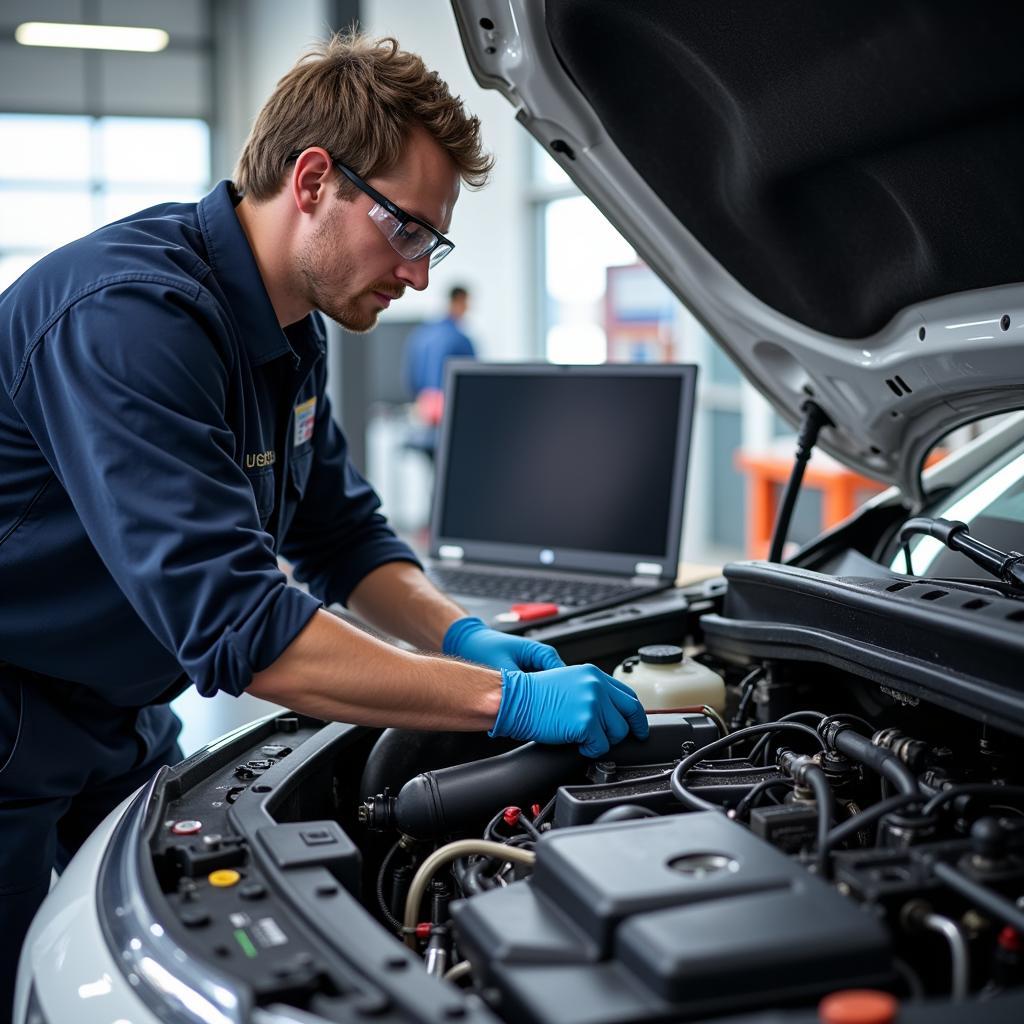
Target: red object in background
(430,406)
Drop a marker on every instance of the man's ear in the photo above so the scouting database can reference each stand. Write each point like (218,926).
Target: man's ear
(312,179)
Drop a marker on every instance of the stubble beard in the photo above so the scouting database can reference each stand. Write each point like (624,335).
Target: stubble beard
(323,292)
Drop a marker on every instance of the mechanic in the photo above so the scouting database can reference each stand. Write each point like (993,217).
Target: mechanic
(433,343)
(427,349)
(165,434)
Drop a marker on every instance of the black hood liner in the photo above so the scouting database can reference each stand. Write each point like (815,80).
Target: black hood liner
(841,160)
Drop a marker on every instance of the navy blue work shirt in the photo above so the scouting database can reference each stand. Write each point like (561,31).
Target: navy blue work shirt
(162,440)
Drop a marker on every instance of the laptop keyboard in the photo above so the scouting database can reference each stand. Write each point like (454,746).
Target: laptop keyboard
(526,587)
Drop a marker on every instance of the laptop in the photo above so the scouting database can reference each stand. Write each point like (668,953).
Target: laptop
(559,489)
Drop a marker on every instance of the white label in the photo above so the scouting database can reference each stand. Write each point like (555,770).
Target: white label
(647,569)
(450,551)
(267,932)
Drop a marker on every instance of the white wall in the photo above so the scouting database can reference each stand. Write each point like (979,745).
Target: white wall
(491,227)
(257,41)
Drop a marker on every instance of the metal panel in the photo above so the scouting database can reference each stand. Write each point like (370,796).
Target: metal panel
(14,12)
(41,80)
(168,84)
(187,21)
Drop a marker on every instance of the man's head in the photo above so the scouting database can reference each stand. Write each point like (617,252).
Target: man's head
(399,133)
(458,302)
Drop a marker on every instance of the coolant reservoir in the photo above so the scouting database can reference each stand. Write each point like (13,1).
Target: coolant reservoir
(663,678)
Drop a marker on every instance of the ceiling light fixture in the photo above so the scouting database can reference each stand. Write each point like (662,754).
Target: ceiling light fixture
(91,37)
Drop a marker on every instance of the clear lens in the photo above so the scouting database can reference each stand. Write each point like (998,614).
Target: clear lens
(439,253)
(411,242)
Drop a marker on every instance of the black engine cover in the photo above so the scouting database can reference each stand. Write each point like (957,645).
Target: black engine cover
(665,918)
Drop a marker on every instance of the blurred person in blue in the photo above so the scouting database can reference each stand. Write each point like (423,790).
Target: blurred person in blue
(166,434)
(427,349)
(431,344)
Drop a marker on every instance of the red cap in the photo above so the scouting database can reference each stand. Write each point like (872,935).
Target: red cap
(858,1006)
(1009,939)
(511,816)
(535,810)
(423,930)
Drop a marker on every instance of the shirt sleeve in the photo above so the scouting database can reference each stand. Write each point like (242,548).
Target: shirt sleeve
(338,535)
(125,395)
(462,346)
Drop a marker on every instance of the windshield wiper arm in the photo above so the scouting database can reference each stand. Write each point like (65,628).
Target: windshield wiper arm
(1007,566)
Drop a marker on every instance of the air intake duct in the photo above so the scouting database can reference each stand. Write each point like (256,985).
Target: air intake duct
(448,801)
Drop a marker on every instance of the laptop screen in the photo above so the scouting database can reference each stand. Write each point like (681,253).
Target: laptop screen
(582,467)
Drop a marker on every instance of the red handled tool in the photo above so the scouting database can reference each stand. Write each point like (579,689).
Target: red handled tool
(528,611)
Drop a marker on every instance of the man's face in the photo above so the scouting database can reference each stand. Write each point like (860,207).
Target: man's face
(348,269)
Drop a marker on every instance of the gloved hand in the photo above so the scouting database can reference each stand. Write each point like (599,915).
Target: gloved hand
(579,704)
(469,638)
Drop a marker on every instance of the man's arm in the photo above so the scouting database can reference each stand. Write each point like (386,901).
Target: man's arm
(399,599)
(334,670)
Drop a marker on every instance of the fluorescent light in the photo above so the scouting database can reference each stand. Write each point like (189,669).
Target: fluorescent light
(91,37)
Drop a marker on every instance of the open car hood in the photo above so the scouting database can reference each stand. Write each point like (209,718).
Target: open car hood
(835,192)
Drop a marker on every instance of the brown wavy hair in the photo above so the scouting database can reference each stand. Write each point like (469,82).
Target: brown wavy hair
(359,98)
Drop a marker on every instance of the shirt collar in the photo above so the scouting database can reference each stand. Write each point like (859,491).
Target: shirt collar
(236,271)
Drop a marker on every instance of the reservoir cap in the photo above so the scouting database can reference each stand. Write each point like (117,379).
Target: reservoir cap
(661,654)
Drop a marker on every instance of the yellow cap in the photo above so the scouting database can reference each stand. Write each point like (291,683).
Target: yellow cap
(223,878)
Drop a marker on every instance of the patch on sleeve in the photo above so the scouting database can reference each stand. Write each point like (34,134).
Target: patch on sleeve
(305,418)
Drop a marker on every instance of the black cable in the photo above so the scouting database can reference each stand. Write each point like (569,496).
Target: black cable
(548,807)
(997,905)
(489,832)
(763,742)
(906,557)
(696,803)
(842,716)
(825,805)
(468,882)
(970,789)
(866,817)
(861,749)
(747,686)
(477,877)
(750,797)
(814,419)
(915,987)
(1007,566)
(383,903)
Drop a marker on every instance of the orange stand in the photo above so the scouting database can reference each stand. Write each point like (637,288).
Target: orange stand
(842,492)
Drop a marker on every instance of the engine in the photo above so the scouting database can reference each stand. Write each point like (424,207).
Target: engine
(825,834)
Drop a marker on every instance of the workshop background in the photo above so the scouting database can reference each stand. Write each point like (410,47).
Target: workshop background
(88,135)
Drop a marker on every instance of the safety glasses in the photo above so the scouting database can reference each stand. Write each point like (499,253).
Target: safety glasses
(413,239)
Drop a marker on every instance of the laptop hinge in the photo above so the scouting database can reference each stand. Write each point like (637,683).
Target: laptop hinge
(647,569)
(450,552)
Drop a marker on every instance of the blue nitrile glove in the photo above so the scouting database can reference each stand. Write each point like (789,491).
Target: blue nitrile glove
(469,638)
(578,704)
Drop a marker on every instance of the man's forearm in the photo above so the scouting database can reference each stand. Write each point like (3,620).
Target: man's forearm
(399,599)
(333,670)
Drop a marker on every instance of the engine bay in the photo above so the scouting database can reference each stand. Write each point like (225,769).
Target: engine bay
(839,825)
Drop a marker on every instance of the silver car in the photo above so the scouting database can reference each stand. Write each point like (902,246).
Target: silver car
(834,191)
